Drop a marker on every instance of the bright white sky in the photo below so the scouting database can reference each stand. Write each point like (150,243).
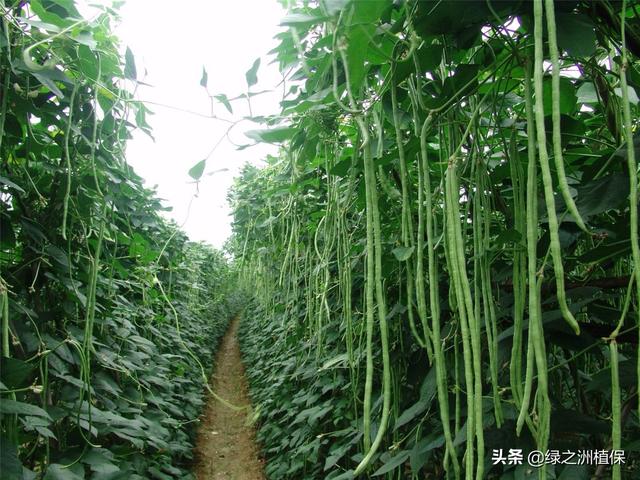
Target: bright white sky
(173,41)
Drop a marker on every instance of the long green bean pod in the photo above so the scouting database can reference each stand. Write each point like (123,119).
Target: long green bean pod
(452,216)
(67,159)
(434,301)
(374,276)
(633,170)
(616,426)
(563,185)
(556,254)
(532,243)
(373,222)
(519,262)
(4,311)
(407,229)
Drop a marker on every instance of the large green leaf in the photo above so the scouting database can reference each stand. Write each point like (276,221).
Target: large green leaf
(15,373)
(568,98)
(605,193)
(410,413)
(301,20)
(576,34)
(430,56)
(357,50)
(402,253)
(422,447)
(273,135)
(56,471)
(52,15)
(394,462)
(575,472)
(10,465)
(565,421)
(8,406)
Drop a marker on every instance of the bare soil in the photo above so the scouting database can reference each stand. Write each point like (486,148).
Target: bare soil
(226,447)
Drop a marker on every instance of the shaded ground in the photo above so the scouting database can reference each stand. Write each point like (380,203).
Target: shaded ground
(226,447)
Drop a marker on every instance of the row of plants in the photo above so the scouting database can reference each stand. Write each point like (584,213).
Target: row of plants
(110,315)
(444,256)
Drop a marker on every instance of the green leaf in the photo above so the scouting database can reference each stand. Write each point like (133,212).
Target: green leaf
(605,251)
(463,82)
(571,421)
(508,236)
(429,386)
(393,463)
(46,15)
(343,357)
(10,465)
(335,454)
(402,253)
(576,34)
(8,406)
(631,92)
(601,381)
(159,475)
(205,78)
(430,57)
(603,194)
(525,472)
(87,62)
(130,65)
(348,475)
(15,373)
(587,93)
(97,456)
(45,432)
(252,73)
(410,413)
(451,18)
(568,98)
(341,169)
(357,51)
(58,255)
(369,11)
(197,170)
(59,472)
(85,39)
(301,20)
(10,184)
(274,135)
(422,447)
(222,98)
(575,472)
(48,78)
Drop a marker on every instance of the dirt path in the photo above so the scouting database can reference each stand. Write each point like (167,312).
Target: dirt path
(226,447)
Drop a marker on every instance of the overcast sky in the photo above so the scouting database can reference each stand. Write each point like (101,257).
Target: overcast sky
(172,41)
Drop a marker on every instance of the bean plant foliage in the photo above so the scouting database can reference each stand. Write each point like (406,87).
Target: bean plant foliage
(444,256)
(109,314)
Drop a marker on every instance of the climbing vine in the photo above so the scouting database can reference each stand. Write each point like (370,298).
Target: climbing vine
(442,256)
(109,314)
